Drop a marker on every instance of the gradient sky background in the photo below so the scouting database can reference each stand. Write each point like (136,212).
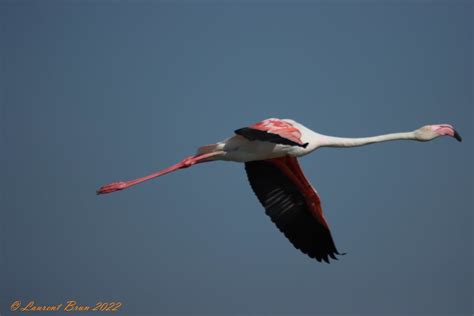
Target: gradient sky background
(93,93)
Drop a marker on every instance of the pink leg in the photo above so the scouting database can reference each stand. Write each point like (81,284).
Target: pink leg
(185,163)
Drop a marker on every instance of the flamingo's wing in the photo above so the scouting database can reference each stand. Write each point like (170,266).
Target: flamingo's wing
(292,204)
(274,131)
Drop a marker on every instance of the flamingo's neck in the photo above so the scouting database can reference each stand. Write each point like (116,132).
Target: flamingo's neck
(331,141)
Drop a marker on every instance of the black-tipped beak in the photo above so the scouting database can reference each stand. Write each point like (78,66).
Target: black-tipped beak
(457,136)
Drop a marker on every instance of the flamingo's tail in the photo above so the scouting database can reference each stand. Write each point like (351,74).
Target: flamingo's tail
(209,149)
(185,163)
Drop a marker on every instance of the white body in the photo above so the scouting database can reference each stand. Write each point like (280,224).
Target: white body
(240,149)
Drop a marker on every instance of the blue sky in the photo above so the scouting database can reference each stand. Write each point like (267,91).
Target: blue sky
(96,92)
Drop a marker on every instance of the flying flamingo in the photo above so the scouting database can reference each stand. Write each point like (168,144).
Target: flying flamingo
(269,150)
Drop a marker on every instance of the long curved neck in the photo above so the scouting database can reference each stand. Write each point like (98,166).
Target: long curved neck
(331,141)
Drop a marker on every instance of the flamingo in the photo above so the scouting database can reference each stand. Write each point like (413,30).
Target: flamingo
(269,149)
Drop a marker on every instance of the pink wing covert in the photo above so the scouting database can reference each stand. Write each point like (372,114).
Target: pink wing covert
(281,128)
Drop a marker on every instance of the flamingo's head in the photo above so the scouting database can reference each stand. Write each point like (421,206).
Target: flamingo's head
(430,132)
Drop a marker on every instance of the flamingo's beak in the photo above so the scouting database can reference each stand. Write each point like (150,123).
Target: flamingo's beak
(446,130)
(457,136)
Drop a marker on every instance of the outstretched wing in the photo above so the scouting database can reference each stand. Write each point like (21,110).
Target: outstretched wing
(292,205)
(274,131)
